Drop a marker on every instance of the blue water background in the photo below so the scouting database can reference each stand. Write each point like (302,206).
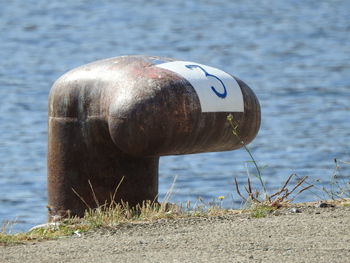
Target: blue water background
(294,54)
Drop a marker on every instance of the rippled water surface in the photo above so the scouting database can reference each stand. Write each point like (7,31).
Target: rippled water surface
(294,54)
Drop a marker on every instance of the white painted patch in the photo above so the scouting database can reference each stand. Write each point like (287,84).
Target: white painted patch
(217,90)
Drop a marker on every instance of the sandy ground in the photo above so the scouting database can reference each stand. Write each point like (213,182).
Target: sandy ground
(313,235)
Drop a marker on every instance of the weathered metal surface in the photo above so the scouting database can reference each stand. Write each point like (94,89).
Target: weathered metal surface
(114,118)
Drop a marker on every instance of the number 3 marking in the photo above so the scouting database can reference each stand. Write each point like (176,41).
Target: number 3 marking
(220,95)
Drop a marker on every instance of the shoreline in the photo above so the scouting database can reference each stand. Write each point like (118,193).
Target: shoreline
(308,232)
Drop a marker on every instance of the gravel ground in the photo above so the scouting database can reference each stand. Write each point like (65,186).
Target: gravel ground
(306,234)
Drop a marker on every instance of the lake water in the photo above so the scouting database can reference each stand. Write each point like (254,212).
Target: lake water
(294,54)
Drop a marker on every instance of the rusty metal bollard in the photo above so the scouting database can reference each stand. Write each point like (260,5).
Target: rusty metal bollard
(111,120)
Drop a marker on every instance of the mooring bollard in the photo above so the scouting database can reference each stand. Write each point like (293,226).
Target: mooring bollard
(111,120)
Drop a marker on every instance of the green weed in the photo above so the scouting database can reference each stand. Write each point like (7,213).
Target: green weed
(254,198)
(261,211)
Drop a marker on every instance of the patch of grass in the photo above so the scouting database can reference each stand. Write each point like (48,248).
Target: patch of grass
(107,217)
(116,214)
(65,228)
(261,211)
(93,218)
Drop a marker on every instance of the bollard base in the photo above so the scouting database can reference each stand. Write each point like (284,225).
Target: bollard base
(85,169)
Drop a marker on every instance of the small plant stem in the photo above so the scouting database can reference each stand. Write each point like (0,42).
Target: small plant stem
(235,132)
(239,192)
(256,167)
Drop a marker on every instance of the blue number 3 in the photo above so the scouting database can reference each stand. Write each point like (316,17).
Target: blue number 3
(219,94)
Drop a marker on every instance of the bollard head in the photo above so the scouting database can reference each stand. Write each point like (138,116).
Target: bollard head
(111,120)
(180,108)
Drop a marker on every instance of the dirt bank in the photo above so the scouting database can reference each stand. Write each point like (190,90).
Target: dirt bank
(309,234)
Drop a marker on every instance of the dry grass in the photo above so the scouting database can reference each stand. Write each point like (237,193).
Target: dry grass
(107,217)
(104,216)
(260,204)
(278,199)
(338,188)
(101,217)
